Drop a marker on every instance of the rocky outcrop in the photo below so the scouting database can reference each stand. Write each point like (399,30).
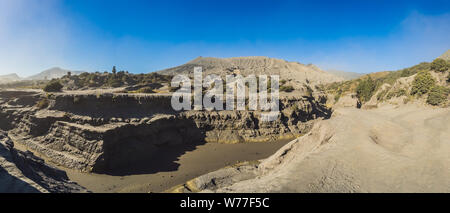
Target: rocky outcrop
(107,133)
(24,172)
(113,146)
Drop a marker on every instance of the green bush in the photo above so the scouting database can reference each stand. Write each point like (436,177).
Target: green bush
(119,79)
(286,88)
(145,90)
(115,82)
(396,93)
(365,90)
(392,77)
(422,84)
(440,65)
(53,86)
(438,95)
(337,96)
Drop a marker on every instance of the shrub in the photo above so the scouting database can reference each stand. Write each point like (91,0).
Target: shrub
(53,86)
(365,90)
(145,90)
(337,96)
(393,76)
(422,84)
(396,93)
(438,95)
(114,82)
(42,104)
(286,88)
(382,94)
(309,91)
(440,65)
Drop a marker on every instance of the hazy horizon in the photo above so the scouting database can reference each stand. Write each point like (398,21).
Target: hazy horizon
(142,36)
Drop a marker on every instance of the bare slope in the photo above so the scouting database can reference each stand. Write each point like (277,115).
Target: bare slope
(383,150)
(257,65)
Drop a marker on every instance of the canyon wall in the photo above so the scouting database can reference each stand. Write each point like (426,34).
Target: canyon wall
(106,132)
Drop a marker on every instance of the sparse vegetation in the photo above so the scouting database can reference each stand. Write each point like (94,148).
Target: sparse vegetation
(365,89)
(337,96)
(145,90)
(309,90)
(115,79)
(397,93)
(422,84)
(286,88)
(382,94)
(438,95)
(42,104)
(53,86)
(440,65)
(378,79)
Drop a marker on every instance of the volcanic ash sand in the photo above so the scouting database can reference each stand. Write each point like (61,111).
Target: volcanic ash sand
(204,159)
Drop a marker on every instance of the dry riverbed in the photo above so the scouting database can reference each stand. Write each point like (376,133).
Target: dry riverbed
(203,159)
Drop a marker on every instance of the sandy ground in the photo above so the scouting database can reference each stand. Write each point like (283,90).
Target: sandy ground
(388,149)
(203,159)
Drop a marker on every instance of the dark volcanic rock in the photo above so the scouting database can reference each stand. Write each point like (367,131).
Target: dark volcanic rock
(24,172)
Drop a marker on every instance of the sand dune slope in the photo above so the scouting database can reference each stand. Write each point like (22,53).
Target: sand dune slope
(383,150)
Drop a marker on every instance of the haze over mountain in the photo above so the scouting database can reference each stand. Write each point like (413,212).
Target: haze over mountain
(257,65)
(9,78)
(344,74)
(48,74)
(51,73)
(446,55)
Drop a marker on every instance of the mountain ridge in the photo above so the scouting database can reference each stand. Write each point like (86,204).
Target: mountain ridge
(257,65)
(54,72)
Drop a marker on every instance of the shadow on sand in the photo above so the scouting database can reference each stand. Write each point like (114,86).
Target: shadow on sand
(156,149)
(164,159)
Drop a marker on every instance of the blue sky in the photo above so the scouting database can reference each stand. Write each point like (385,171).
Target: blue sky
(145,36)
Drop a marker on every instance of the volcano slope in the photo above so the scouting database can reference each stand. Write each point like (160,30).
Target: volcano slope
(387,149)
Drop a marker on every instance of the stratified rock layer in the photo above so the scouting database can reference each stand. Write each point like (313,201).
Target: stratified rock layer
(105,133)
(24,172)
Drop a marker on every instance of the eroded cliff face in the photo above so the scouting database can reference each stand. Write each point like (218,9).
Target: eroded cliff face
(384,150)
(109,132)
(23,172)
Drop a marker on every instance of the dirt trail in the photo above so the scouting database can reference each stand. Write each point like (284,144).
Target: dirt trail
(388,149)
